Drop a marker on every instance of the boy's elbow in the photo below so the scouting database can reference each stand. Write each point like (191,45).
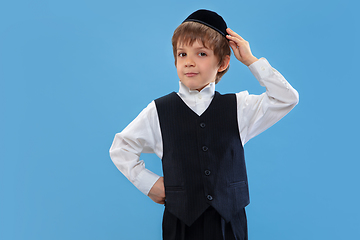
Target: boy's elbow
(293,99)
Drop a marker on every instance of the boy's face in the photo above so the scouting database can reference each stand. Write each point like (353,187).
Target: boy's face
(196,65)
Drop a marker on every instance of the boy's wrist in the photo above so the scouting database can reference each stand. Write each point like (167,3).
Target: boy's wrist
(250,61)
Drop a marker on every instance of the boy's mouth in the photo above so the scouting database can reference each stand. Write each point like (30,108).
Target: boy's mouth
(191,74)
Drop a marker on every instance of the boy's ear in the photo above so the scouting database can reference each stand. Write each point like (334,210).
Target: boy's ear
(224,64)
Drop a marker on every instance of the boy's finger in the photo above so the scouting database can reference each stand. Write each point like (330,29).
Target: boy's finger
(235,49)
(234,34)
(236,40)
(233,45)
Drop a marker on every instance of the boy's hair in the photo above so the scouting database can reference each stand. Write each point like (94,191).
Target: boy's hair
(189,32)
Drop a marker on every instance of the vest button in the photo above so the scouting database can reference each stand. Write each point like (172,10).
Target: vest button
(204,148)
(209,197)
(207,172)
(202,125)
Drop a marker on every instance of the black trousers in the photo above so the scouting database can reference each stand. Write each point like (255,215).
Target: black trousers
(209,226)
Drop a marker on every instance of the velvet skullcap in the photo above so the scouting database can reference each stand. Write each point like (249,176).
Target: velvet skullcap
(208,18)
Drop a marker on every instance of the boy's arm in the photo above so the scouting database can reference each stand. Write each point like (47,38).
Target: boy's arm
(139,136)
(258,112)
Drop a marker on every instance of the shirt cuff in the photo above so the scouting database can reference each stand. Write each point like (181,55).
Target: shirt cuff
(145,180)
(261,69)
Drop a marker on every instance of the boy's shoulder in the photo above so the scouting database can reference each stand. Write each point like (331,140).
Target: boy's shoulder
(166,97)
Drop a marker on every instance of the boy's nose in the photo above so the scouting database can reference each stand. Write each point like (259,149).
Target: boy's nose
(189,63)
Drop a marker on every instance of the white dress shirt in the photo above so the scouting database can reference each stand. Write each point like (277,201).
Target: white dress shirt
(255,114)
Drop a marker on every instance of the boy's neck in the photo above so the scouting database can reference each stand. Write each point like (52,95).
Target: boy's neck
(208,89)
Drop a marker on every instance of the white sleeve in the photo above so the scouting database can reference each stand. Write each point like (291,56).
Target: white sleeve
(142,135)
(256,113)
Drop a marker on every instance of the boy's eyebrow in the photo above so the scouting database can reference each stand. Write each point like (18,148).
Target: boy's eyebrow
(198,48)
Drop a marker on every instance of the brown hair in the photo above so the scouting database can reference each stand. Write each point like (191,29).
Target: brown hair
(189,32)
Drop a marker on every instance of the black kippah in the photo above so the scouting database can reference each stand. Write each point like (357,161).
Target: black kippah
(208,18)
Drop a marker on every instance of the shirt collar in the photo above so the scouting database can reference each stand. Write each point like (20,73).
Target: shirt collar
(207,92)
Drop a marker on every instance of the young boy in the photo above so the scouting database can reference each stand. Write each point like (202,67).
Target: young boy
(199,134)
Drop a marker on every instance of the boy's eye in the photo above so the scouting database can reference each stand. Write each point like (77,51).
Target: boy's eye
(182,54)
(202,54)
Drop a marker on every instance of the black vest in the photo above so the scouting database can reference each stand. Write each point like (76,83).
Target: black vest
(203,158)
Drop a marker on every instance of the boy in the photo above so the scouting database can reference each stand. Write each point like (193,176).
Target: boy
(199,134)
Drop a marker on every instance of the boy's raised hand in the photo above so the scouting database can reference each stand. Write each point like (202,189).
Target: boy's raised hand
(157,192)
(240,47)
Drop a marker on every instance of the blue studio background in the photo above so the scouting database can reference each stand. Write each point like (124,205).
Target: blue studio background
(73,73)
